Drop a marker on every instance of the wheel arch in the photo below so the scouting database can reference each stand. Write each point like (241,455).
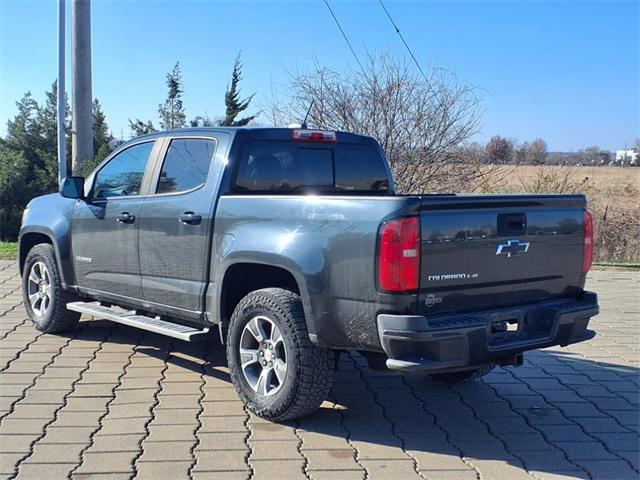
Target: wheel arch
(242,277)
(32,237)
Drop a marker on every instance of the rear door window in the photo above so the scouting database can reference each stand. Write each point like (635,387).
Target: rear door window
(185,164)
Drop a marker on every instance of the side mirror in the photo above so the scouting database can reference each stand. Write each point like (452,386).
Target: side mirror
(72,187)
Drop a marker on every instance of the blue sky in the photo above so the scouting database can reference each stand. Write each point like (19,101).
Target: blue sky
(564,71)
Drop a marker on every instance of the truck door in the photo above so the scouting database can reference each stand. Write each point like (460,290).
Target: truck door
(104,231)
(175,226)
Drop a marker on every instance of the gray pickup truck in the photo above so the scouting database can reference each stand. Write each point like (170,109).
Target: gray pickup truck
(293,244)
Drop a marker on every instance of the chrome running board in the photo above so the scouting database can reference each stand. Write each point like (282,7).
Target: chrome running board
(132,319)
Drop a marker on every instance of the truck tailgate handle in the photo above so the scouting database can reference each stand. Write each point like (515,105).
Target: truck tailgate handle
(125,217)
(512,224)
(190,218)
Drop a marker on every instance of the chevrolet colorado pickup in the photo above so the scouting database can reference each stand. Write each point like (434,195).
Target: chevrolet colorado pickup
(293,244)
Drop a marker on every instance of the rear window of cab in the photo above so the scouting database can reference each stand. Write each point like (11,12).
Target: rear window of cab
(281,167)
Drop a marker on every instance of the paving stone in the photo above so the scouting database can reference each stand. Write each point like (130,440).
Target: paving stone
(8,462)
(101,476)
(164,451)
(342,459)
(67,435)
(379,451)
(227,424)
(609,469)
(235,475)
(116,443)
(449,474)
(77,419)
(50,453)
(44,397)
(271,431)
(561,475)
(50,471)
(336,475)
(26,411)
(585,451)
(163,433)
(221,441)
(107,462)
(222,461)
(274,450)
(22,425)
(187,416)
(16,443)
(277,469)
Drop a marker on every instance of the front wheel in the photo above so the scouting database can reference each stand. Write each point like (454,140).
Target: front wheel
(276,370)
(464,376)
(44,298)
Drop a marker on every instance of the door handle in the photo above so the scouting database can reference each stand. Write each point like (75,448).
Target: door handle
(190,218)
(125,217)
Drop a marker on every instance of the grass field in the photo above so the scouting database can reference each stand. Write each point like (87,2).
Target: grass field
(8,250)
(613,195)
(615,182)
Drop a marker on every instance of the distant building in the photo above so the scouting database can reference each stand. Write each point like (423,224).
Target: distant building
(631,155)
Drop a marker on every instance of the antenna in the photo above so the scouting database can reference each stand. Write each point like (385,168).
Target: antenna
(304,122)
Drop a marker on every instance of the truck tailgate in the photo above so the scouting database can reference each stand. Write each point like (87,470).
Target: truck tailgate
(493,251)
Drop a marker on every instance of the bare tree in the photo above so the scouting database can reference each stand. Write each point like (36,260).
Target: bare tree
(499,149)
(421,123)
(537,152)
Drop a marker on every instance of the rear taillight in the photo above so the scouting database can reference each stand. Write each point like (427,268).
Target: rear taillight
(587,250)
(399,255)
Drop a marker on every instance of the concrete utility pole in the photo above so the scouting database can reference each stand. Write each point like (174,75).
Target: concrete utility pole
(62,147)
(82,145)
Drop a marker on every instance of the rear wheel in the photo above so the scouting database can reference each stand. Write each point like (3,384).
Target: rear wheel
(276,370)
(464,376)
(44,298)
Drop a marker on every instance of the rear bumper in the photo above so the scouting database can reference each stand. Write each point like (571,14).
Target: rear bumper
(457,341)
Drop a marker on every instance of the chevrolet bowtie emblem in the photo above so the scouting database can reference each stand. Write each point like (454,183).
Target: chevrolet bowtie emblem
(512,248)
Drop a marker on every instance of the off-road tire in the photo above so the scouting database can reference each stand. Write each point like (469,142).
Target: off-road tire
(310,368)
(464,376)
(57,318)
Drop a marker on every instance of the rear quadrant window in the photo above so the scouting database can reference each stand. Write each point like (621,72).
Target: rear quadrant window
(359,169)
(185,164)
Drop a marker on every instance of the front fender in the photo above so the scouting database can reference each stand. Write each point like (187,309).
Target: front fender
(49,216)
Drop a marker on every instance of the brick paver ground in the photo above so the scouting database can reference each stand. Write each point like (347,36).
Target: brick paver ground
(108,401)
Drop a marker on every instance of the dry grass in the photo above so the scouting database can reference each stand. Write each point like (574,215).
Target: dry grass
(613,195)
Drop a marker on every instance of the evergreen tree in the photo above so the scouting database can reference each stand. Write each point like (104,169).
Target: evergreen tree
(171,111)
(201,121)
(234,105)
(101,139)
(22,131)
(138,127)
(29,155)
(15,190)
(47,125)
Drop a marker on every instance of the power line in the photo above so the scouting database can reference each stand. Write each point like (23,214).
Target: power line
(395,27)
(344,35)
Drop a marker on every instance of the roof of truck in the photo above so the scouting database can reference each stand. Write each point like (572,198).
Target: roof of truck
(265,133)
